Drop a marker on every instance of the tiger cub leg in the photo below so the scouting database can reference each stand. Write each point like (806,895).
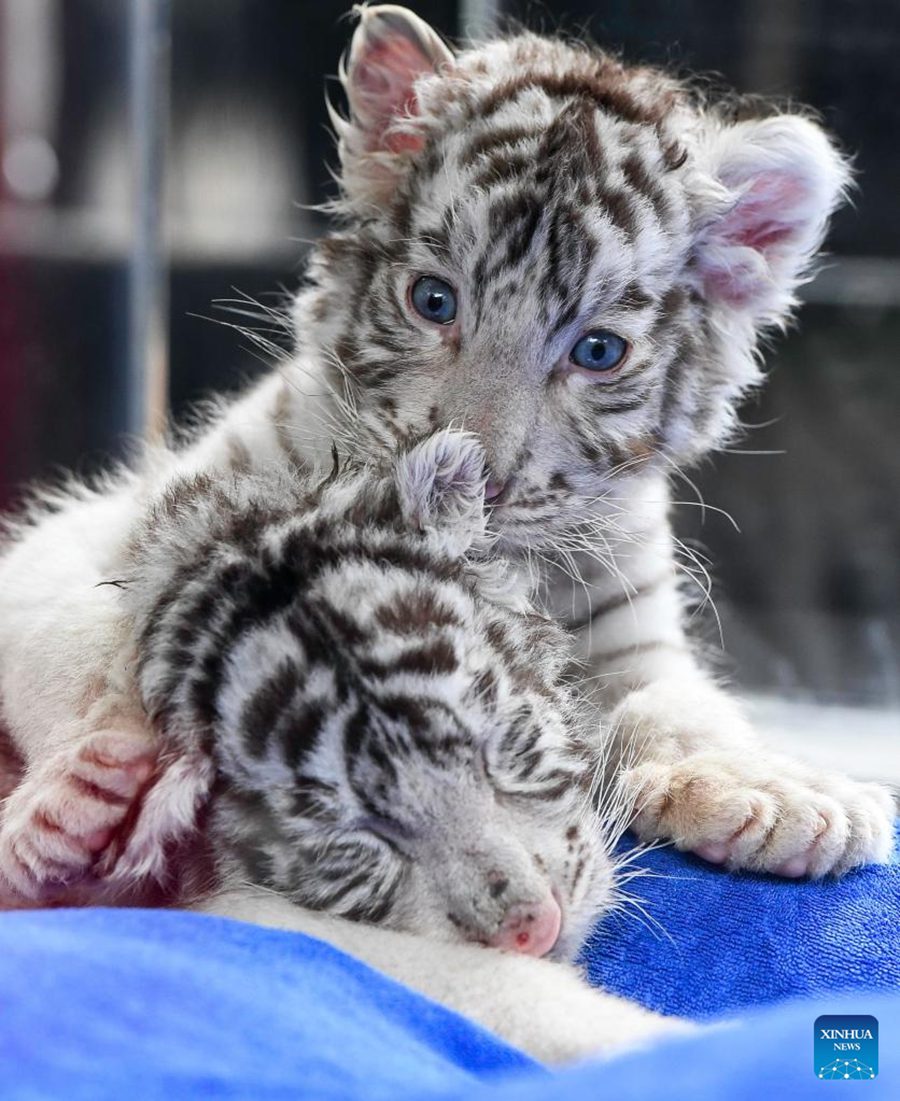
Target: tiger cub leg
(97,815)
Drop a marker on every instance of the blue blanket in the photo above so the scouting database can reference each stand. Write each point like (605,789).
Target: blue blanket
(724,943)
(119,1004)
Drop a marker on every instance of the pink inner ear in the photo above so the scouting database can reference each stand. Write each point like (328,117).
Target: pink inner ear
(755,237)
(768,213)
(382,82)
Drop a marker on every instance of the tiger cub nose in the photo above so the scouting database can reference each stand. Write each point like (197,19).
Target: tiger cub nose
(529,928)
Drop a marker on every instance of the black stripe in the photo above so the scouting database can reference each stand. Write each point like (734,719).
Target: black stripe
(436,658)
(263,710)
(497,137)
(627,405)
(619,601)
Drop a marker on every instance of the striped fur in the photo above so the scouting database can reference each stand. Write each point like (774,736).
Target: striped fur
(393,739)
(558,191)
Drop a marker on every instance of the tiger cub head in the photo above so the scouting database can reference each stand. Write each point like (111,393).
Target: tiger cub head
(390,718)
(573,258)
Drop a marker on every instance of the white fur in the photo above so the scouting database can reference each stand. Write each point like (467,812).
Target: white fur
(780,181)
(545,1009)
(63,676)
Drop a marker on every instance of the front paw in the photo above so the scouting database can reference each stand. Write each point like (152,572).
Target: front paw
(99,818)
(66,816)
(762,812)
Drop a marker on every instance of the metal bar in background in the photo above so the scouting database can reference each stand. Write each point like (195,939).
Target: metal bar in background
(478,18)
(30,68)
(149,40)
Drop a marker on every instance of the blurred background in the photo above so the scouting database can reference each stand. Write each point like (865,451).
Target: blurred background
(808,592)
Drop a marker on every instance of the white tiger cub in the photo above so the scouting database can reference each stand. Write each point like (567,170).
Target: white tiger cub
(380,727)
(574,260)
(395,737)
(392,724)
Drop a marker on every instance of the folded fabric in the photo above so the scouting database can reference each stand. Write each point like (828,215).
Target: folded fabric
(98,1004)
(768,1054)
(709,943)
(143,1004)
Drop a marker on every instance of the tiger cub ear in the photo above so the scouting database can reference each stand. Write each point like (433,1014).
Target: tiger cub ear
(440,484)
(774,184)
(391,48)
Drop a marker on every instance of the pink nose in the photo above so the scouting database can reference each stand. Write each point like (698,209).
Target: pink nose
(531,929)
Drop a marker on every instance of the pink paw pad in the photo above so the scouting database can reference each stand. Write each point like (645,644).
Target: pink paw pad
(715,852)
(795,868)
(65,823)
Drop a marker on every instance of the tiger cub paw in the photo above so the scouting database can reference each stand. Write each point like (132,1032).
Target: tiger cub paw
(762,813)
(68,814)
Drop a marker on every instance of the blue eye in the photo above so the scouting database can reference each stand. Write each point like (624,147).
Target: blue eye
(599,351)
(434,300)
